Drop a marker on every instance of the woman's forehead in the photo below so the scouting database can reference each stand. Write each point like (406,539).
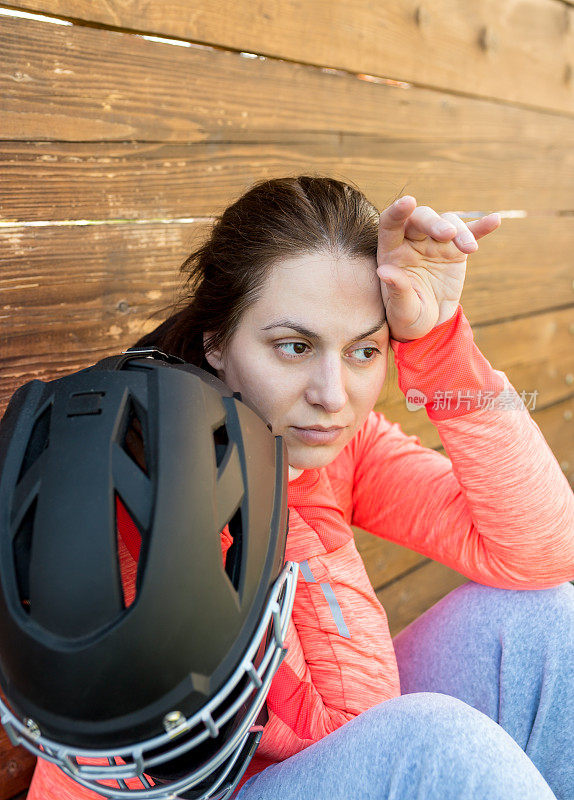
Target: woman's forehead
(323,278)
(319,292)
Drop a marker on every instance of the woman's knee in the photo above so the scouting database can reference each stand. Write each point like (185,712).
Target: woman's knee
(433,721)
(449,741)
(422,744)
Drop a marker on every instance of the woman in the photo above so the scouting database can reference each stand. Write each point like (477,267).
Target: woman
(293,301)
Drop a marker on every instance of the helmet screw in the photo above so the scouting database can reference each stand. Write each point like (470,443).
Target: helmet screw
(173,720)
(33,729)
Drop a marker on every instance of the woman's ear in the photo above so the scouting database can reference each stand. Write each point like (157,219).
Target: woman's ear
(213,357)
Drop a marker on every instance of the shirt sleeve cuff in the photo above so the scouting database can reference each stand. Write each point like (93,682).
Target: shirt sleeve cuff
(445,371)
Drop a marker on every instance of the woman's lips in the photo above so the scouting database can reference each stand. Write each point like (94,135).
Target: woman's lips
(317,435)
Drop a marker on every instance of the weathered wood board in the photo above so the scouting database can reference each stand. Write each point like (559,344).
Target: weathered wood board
(520,52)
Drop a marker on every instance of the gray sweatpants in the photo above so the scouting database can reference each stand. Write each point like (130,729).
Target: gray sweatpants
(486,711)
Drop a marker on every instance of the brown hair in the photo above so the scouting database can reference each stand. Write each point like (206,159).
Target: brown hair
(275,219)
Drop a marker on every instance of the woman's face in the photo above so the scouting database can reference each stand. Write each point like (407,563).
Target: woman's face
(310,354)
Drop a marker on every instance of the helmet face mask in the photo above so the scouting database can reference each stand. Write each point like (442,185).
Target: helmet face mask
(166,685)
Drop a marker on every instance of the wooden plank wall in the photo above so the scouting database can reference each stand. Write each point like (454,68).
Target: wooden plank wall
(126,126)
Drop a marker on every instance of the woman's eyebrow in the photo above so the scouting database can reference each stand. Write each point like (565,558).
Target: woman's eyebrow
(288,323)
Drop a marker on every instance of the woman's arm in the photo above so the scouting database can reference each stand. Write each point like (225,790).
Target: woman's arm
(500,511)
(340,658)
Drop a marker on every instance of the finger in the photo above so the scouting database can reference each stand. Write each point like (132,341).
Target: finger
(464,238)
(424,221)
(485,225)
(398,292)
(392,223)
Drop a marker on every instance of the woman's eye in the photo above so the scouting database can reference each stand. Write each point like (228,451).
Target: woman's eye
(365,353)
(292,349)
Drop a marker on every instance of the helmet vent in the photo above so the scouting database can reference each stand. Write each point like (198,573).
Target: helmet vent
(128,539)
(221,442)
(37,442)
(233,556)
(133,441)
(22,545)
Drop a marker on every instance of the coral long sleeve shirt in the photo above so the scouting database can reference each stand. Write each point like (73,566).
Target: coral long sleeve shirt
(498,510)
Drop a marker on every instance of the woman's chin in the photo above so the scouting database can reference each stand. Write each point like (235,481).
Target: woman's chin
(301,457)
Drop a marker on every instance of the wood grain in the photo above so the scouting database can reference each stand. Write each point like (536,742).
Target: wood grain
(519,52)
(124,181)
(411,595)
(385,561)
(70,296)
(86,84)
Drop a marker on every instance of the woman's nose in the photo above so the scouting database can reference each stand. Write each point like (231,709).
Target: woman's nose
(327,386)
